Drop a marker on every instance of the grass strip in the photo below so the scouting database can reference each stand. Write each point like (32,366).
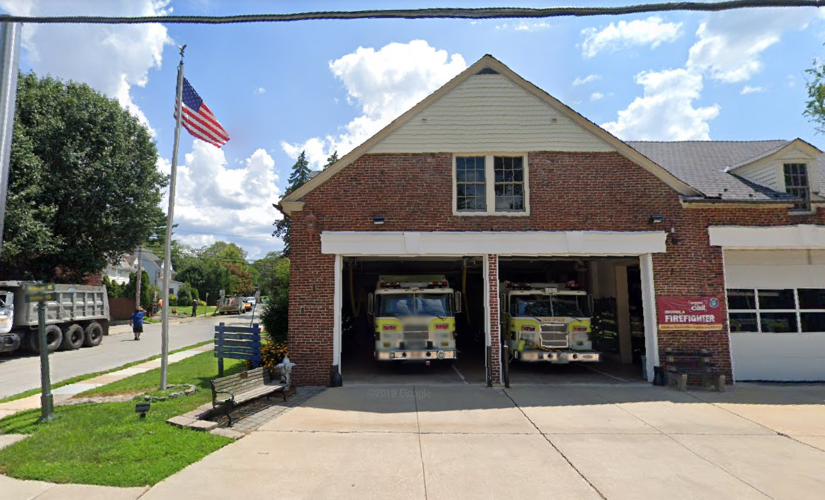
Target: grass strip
(108,444)
(81,378)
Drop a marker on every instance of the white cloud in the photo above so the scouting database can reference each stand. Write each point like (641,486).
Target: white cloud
(747,89)
(527,26)
(595,96)
(383,83)
(652,32)
(730,44)
(666,110)
(111,59)
(214,202)
(587,79)
(260,90)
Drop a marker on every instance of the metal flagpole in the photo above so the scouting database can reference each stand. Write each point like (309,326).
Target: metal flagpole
(9,58)
(167,258)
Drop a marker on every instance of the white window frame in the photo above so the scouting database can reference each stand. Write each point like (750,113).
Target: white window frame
(490,184)
(758,310)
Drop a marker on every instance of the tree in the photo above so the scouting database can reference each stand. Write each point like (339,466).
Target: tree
(815,106)
(297,178)
(275,314)
(240,280)
(263,271)
(83,186)
(331,159)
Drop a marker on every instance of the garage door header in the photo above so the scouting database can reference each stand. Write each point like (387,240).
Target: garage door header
(596,243)
(802,236)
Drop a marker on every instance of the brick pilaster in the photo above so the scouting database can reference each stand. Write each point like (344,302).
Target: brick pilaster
(494,327)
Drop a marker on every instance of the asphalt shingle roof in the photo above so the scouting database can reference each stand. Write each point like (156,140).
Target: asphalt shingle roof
(702,164)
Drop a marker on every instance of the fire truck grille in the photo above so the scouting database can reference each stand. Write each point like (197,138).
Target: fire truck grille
(553,335)
(416,335)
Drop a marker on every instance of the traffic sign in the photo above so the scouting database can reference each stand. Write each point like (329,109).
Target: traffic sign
(37,292)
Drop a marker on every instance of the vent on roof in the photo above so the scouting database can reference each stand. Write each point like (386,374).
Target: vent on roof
(487,71)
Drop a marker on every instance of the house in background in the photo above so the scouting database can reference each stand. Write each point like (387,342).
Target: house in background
(149,262)
(715,245)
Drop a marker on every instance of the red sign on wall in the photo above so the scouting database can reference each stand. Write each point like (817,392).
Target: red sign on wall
(689,313)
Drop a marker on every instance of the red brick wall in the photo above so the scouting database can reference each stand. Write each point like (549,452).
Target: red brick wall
(568,192)
(495,326)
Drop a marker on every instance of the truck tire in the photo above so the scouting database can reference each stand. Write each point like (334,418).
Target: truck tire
(73,338)
(54,337)
(94,334)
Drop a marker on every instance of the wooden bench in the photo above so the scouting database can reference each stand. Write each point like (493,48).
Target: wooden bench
(229,392)
(680,364)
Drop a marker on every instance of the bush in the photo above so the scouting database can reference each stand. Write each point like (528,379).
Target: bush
(272,353)
(274,317)
(173,301)
(185,295)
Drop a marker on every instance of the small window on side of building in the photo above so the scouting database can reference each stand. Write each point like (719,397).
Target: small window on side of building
(797,183)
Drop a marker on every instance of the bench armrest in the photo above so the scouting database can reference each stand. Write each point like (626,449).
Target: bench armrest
(215,393)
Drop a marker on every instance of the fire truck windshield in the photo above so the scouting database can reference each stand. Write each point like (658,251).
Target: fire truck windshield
(415,304)
(549,305)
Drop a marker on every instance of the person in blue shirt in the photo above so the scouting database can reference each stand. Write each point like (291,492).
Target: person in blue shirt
(136,322)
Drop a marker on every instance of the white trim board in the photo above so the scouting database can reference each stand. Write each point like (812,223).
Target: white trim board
(801,236)
(585,243)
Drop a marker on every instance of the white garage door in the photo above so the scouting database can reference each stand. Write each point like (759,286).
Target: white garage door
(776,302)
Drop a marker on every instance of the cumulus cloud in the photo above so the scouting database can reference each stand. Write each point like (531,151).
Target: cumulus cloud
(747,89)
(666,111)
(214,202)
(111,59)
(651,32)
(260,90)
(587,79)
(383,83)
(730,45)
(595,96)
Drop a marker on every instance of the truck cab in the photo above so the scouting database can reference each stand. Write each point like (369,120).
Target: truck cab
(414,318)
(547,322)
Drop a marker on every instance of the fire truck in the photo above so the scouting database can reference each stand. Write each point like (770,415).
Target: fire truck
(414,318)
(547,322)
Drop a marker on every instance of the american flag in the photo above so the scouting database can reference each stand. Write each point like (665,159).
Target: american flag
(198,118)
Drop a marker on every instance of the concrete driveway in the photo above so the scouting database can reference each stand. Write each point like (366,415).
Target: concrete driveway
(571,442)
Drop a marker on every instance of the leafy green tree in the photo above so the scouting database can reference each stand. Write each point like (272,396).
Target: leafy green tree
(83,186)
(263,271)
(815,106)
(297,178)
(146,290)
(275,316)
(240,280)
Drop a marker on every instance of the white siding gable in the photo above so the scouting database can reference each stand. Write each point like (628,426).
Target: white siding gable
(769,172)
(489,113)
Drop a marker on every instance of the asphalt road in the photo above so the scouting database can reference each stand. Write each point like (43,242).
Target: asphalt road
(20,371)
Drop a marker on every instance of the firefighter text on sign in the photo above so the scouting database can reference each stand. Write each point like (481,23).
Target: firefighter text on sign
(689,313)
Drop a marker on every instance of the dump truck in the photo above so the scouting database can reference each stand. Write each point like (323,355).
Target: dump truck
(231,305)
(414,318)
(79,317)
(547,322)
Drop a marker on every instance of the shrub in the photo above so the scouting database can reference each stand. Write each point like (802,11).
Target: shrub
(274,318)
(173,301)
(184,295)
(272,353)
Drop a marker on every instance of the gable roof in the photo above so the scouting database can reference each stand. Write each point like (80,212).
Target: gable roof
(709,166)
(292,201)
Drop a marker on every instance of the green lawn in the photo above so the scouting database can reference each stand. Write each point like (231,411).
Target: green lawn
(108,444)
(81,378)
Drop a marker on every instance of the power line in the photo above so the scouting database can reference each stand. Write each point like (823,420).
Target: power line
(430,13)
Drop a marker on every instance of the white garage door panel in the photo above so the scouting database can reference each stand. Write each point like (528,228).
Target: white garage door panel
(771,356)
(761,356)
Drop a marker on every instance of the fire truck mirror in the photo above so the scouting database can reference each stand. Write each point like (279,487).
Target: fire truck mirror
(457,302)
(371,304)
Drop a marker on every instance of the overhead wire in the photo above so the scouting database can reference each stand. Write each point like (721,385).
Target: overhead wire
(475,13)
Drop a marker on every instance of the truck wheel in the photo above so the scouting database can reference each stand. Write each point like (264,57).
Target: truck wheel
(54,336)
(94,334)
(73,338)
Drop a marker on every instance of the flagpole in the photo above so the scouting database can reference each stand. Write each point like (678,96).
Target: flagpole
(167,258)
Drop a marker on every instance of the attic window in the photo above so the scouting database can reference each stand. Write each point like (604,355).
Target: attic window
(796,183)
(487,71)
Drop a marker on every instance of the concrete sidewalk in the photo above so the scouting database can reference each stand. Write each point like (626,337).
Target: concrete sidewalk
(66,392)
(467,441)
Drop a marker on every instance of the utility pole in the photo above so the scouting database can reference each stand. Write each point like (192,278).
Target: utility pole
(138,278)
(10,34)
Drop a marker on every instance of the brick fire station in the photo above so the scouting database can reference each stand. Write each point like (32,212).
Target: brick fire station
(715,245)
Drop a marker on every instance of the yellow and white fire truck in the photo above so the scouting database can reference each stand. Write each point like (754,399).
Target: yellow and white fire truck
(414,318)
(547,322)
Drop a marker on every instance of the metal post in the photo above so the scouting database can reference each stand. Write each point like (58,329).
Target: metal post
(46,399)
(167,259)
(505,351)
(219,348)
(139,277)
(10,34)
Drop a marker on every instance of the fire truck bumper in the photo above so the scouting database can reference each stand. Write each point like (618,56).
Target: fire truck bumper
(559,357)
(415,355)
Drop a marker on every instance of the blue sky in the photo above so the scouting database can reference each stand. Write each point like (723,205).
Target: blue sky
(324,85)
